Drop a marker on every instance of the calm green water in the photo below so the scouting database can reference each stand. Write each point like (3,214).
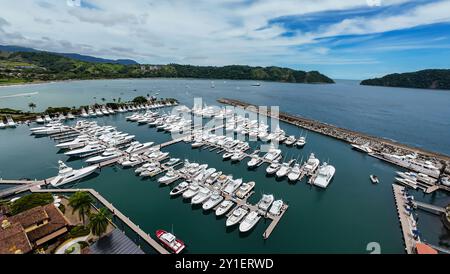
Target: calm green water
(344,218)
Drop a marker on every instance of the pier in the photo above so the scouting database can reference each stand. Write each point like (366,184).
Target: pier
(428,207)
(404,218)
(115,212)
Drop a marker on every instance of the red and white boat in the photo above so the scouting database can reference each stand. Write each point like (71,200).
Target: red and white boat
(170,241)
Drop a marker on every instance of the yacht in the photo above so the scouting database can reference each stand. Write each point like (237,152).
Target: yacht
(180,188)
(90,148)
(47,118)
(276,207)
(290,140)
(39,120)
(80,141)
(374,179)
(222,180)
(284,170)
(70,116)
(265,202)
(224,207)
(151,170)
(301,142)
(10,122)
(203,194)
(84,114)
(232,186)
(407,182)
(51,130)
(213,200)
(170,241)
(244,189)
(192,190)
(295,173)
(237,156)
(326,173)
(255,161)
(197,143)
(237,215)
(172,161)
(273,154)
(108,154)
(249,221)
(417,177)
(211,179)
(363,148)
(136,146)
(170,177)
(311,165)
(227,155)
(67,174)
(133,160)
(273,167)
(2,125)
(145,167)
(98,112)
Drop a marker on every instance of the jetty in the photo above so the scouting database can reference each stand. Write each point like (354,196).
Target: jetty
(378,144)
(405,219)
(429,207)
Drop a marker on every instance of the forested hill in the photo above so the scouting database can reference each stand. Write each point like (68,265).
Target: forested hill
(428,79)
(44,66)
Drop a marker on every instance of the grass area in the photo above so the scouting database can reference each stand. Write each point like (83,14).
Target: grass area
(30,201)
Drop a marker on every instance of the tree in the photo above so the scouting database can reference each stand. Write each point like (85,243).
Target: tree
(103,99)
(119,100)
(81,202)
(32,106)
(140,100)
(98,222)
(114,100)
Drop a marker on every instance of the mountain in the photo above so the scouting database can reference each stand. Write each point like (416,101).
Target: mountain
(427,79)
(76,56)
(44,66)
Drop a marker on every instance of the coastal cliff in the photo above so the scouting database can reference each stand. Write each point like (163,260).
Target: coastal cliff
(427,79)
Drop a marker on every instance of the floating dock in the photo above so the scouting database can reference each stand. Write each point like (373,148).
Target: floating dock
(404,218)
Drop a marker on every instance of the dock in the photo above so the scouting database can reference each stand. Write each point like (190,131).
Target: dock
(274,223)
(429,207)
(115,212)
(404,218)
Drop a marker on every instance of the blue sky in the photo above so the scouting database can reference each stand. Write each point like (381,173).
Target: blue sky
(351,39)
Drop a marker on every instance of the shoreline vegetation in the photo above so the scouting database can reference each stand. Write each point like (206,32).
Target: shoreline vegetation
(28,67)
(378,144)
(22,116)
(424,79)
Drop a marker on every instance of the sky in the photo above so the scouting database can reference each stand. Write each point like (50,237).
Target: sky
(344,39)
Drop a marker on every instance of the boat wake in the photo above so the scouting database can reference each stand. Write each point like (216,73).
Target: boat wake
(19,95)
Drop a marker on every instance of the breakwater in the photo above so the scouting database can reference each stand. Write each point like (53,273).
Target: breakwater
(377,144)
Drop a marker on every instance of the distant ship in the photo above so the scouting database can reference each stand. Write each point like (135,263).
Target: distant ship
(256,84)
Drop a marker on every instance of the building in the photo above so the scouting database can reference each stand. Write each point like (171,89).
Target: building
(29,229)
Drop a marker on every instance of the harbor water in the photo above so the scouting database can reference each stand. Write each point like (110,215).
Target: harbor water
(344,218)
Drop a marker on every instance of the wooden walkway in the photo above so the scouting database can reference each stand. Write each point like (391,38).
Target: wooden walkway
(23,187)
(404,218)
(116,212)
(275,220)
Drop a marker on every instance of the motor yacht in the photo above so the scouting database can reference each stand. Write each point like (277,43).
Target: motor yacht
(255,161)
(249,221)
(2,125)
(70,116)
(133,160)
(232,186)
(151,170)
(284,169)
(10,122)
(311,164)
(145,167)
(67,174)
(363,148)
(90,148)
(295,172)
(108,154)
(224,207)
(265,202)
(237,215)
(237,156)
(98,112)
(202,195)
(47,118)
(39,120)
(273,154)
(180,188)
(407,182)
(273,168)
(244,189)
(172,161)
(137,146)
(80,141)
(84,114)
(192,190)
(170,241)
(276,207)
(301,142)
(290,140)
(213,200)
(227,155)
(170,177)
(214,176)
(325,174)
(222,180)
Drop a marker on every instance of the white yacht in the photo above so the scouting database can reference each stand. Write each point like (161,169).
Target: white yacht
(417,176)
(237,156)
(265,202)
(244,189)
(84,114)
(284,170)
(290,140)
(108,154)
(273,154)
(39,120)
(180,188)
(326,173)
(2,125)
(295,173)
(237,215)
(301,142)
(227,155)
(255,161)
(192,190)
(10,122)
(213,200)
(80,141)
(407,182)
(145,167)
(90,148)
(232,186)
(139,147)
(249,221)
(211,179)
(47,118)
(67,174)
(133,160)
(170,177)
(363,148)
(311,165)
(273,167)
(224,207)
(203,194)
(276,207)
(70,116)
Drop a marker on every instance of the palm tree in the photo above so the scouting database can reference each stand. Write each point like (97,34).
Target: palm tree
(103,99)
(98,222)
(114,100)
(119,100)
(81,202)
(32,106)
